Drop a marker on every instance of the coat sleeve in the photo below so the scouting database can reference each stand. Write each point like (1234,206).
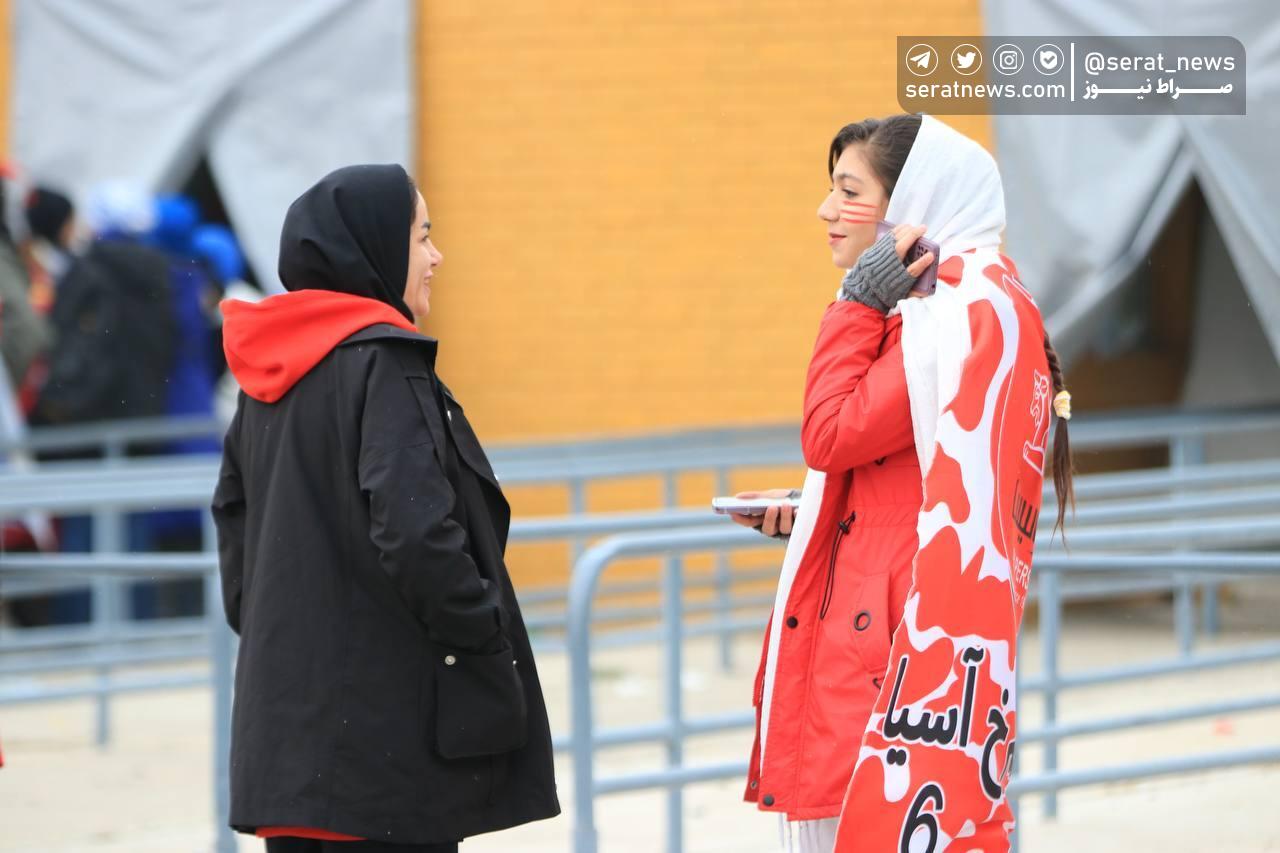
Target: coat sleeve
(856,407)
(228,517)
(422,549)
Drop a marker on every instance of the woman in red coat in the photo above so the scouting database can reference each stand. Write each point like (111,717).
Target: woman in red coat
(845,581)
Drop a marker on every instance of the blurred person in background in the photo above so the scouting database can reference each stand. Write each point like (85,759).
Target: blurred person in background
(52,242)
(25,339)
(220,249)
(113,316)
(25,335)
(114,325)
(386,696)
(195,365)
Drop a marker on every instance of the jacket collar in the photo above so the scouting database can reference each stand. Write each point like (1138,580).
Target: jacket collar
(385,331)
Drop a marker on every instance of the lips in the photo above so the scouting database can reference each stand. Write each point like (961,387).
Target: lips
(833,237)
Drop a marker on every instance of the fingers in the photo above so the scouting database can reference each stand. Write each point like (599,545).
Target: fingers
(771,518)
(746,496)
(905,237)
(920,264)
(745,520)
(785,519)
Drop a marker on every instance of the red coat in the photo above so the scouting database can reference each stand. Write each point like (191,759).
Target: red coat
(851,584)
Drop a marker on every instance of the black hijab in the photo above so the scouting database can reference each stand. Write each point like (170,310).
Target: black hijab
(350,233)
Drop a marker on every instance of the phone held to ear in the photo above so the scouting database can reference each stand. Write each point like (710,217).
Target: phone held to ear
(927,281)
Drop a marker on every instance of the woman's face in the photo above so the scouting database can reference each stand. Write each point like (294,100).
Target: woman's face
(851,209)
(423,259)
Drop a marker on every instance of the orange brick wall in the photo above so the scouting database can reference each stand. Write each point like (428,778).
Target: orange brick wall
(625,196)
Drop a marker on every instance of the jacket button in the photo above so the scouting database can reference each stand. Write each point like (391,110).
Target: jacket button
(880,461)
(450,660)
(755,783)
(792,621)
(768,799)
(514,662)
(862,621)
(877,681)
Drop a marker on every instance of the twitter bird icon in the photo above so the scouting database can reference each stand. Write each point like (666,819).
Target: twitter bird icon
(966,59)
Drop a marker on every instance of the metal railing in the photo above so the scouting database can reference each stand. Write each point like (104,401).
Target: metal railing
(672,730)
(113,486)
(219,648)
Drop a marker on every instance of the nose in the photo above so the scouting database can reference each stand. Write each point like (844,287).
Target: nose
(829,211)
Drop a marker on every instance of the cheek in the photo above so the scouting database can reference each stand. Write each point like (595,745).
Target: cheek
(854,213)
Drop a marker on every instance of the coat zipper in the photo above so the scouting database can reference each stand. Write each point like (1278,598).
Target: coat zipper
(828,592)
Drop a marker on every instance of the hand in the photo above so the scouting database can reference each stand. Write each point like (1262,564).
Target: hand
(777,520)
(880,279)
(905,237)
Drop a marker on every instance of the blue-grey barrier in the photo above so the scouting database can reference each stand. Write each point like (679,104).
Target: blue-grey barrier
(673,729)
(114,485)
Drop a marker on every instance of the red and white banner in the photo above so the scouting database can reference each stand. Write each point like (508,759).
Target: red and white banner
(936,757)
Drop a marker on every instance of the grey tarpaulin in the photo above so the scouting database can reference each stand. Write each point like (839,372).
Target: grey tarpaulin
(1088,195)
(275,92)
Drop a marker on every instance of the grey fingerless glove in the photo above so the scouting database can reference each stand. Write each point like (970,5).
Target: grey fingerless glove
(879,279)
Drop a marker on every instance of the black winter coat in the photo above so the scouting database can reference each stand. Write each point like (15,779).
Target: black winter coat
(385,686)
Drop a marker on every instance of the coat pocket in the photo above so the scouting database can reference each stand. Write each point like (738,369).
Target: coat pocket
(480,704)
(869,623)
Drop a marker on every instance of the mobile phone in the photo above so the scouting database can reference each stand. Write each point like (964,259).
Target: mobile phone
(750,506)
(927,281)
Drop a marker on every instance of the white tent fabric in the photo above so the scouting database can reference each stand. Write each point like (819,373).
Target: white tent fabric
(1088,195)
(275,92)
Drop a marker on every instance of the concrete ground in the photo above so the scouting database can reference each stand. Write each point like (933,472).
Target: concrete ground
(150,790)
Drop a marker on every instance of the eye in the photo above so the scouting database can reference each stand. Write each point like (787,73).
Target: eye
(850,193)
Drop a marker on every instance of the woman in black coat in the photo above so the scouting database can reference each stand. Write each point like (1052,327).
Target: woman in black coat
(385,689)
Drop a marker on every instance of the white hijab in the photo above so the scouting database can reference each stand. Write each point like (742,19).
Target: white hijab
(951,185)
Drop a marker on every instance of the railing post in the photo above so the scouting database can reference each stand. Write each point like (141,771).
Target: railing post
(672,617)
(221,654)
(1185,451)
(108,599)
(1191,452)
(582,585)
(1050,617)
(724,588)
(577,506)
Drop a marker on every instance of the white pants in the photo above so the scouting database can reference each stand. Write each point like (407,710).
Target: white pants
(807,836)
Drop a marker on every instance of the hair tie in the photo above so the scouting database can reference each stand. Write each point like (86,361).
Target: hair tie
(1062,405)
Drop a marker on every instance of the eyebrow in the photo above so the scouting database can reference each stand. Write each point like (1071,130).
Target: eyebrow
(426,226)
(845,176)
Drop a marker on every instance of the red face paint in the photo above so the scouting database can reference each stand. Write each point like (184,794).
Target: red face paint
(857,212)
